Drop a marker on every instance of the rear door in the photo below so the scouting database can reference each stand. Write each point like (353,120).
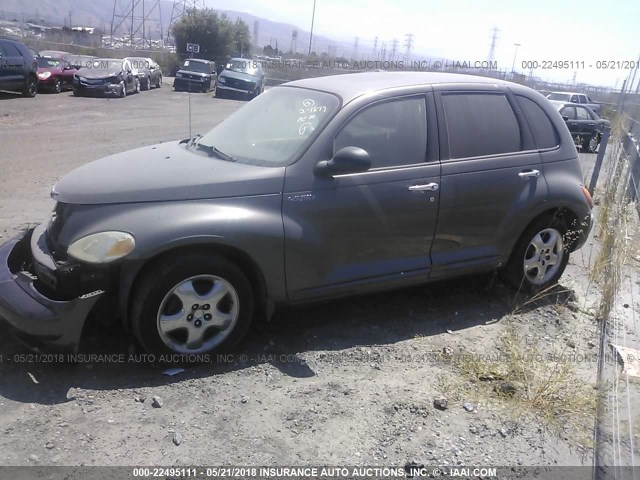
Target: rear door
(586,123)
(491,177)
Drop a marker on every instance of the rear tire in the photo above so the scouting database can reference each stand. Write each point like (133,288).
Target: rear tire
(192,305)
(540,255)
(594,142)
(30,89)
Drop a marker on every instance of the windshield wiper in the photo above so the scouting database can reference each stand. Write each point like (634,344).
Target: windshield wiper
(193,140)
(214,152)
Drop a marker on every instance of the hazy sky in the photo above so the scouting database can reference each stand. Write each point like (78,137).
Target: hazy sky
(579,30)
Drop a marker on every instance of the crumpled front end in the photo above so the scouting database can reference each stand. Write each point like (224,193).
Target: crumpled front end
(44,301)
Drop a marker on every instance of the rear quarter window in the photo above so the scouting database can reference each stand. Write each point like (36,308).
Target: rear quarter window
(544,133)
(480,124)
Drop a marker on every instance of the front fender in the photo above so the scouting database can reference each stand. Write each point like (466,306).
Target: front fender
(251,225)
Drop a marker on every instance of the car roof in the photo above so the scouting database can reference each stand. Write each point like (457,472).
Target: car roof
(570,93)
(353,85)
(202,60)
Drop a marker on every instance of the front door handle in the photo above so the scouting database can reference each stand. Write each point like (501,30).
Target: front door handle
(429,187)
(529,174)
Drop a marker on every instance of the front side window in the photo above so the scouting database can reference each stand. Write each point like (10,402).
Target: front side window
(394,133)
(480,124)
(273,128)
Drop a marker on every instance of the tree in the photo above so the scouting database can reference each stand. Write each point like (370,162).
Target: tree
(217,35)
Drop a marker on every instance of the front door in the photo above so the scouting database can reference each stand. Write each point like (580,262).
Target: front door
(375,227)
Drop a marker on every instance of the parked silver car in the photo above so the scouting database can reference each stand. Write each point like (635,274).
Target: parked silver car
(319,188)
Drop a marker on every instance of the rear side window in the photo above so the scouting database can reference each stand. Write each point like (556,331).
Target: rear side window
(569,112)
(582,113)
(480,124)
(543,130)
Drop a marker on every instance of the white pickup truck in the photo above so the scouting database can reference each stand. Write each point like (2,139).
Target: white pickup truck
(580,98)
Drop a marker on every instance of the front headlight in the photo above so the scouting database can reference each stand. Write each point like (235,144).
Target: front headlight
(103,247)
(44,75)
(221,80)
(178,75)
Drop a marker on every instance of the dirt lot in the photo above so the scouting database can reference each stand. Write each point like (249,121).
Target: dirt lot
(350,382)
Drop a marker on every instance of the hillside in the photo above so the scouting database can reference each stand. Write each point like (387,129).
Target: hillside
(99,13)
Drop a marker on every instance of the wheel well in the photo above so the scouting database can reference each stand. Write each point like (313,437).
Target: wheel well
(568,216)
(238,257)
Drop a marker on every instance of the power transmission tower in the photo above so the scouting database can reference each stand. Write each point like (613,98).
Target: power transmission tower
(492,50)
(294,42)
(375,48)
(133,19)
(180,8)
(355,48)
(408,43)
(394,49)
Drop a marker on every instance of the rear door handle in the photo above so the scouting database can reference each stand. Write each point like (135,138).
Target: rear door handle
(429,187)
(529,174)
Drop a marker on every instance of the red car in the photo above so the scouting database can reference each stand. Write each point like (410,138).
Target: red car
(54,74)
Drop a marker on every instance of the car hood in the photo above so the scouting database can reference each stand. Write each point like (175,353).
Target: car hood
(49,69)
(189,72)
(164,172)
(95,73)
(238,75)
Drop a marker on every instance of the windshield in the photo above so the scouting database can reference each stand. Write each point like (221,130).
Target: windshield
(107,64)
(243,66)
(274,127)
(196,66)
(48,62)
(559,96)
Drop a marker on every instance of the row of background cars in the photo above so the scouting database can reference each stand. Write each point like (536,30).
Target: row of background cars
(87,75)
(241,76)
(24,70)
(581,114)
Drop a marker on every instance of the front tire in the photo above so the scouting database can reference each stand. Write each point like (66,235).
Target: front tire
(540,256)
(192,305)
(57,86)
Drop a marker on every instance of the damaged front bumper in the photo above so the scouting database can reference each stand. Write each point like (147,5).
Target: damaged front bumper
(35,313)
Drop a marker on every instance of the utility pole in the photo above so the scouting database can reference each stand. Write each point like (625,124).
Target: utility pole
(492,49)
(513,66)
(375,48)
(313,18)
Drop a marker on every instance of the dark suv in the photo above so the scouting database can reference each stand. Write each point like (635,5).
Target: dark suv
(316,189)
(18,68)
(196,75)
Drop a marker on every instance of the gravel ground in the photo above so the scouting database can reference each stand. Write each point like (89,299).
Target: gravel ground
(349,382)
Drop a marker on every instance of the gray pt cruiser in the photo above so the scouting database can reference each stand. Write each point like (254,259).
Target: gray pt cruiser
(317,189)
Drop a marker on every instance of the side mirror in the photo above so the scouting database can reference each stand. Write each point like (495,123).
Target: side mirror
(565,118)
(346,160)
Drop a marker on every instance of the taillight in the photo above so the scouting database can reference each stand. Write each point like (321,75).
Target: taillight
(587,196)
